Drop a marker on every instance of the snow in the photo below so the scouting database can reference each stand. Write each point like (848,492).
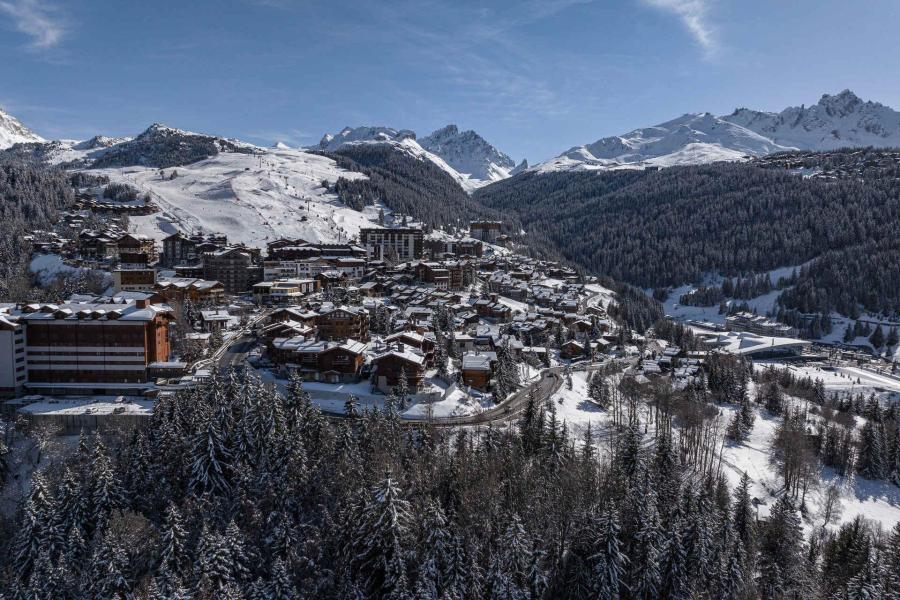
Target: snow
(689,139)
(89,405)
(515,305)
(251,198)
(843,379)
(47,267)
(838,121)
(12,131)
(877,500)
(467,150)
(575,408)
(439,399)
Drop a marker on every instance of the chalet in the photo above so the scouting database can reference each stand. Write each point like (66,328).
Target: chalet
(388,367)
(477,369)
(199,291)
(343,323)
(420,342)
(291,313)
(214,319)
(283,292)
(572,349)
(331,362)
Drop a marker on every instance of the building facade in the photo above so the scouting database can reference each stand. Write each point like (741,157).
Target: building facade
(381,242)
(94,344)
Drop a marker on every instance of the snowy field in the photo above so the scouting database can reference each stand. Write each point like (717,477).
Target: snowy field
(853,380)
(877,500)
(251,198)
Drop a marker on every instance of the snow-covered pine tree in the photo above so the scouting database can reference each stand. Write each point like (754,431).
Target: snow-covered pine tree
(870,462)
(611,560)
(210,458)
(381,540)
(401,390)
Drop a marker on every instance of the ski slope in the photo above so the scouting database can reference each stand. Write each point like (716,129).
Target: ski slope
(251,198)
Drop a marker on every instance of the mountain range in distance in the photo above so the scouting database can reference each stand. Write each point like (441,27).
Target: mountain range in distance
(835,121)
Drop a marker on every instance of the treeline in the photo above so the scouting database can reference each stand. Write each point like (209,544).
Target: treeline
(409,186)
(236,491)
(673,226)
(30,198)
(123,192)
(161,147)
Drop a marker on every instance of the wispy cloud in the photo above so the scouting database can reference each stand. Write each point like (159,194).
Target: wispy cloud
(694,14)
(39,20)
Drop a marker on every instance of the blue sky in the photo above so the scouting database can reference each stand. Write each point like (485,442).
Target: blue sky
(534,78)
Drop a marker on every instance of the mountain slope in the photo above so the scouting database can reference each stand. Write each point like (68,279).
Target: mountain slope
(675,226)
(12,131)
(162,147)
(465,156)
(252,198)
(834,122)
(689,139)
(405,184)
(842,120)
(469,153)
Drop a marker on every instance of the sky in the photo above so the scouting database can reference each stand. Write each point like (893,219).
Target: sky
(533,77)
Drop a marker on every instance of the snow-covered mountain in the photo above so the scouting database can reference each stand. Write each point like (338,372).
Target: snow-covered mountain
(465,156)
(348,135)
(469,153)
(834,122)
(206,183)
(13,132)
(689,139)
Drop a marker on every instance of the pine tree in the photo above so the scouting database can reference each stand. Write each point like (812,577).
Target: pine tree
(381,540)
(611,560)
(892,338)
(780,550)
(213,562)
(32,533)
(210,459)
(173,538)
(871,457)
(401,390)
(877,338)
(351,406)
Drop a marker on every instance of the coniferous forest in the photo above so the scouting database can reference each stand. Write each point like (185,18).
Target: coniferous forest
(236,491)
(673,226)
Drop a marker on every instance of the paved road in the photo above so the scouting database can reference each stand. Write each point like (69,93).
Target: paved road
(236,352)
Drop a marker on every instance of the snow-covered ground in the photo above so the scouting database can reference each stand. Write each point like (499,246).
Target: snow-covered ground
(251,198)
(853,380)
(877,500)
(435,401)
(47,268)
(577,410)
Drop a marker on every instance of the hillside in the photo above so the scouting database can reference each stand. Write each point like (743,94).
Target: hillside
(835,121)
(466,156)
(407,185)
(658,229)
(12,131)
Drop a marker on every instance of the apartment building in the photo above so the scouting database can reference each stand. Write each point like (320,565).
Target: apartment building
(98,347)
(381,242)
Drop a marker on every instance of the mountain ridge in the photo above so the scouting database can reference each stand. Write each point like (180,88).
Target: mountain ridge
(835,121)
(12,132)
